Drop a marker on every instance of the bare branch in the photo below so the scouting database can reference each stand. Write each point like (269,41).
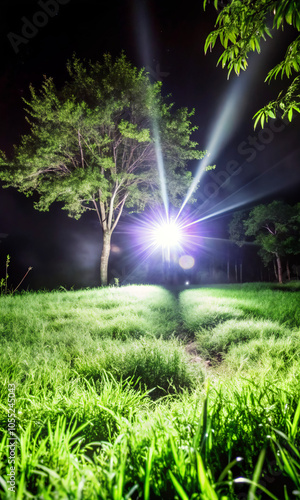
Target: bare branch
(103,213)
(81,151)
(111,206)
(97,210)
(269,229)
(120,212)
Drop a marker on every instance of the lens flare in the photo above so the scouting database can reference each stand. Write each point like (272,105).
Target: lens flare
(166,234)
(186,262)
(154,231)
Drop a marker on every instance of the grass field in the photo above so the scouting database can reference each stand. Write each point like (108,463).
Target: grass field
(140,393)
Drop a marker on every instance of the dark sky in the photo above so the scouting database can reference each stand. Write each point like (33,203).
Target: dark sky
(169,41)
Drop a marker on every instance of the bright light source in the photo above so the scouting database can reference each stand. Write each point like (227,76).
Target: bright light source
(187,283)
(167,234)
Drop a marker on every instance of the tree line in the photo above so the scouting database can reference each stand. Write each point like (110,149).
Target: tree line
(274,228)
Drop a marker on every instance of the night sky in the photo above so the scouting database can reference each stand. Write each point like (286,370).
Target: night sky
(169,42)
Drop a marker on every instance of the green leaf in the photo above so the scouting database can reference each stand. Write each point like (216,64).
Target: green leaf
(178,487)
(203,480)
(256,474)
(148,470)
(257,115)
(295,423)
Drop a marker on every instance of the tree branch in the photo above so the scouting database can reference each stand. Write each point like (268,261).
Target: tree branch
(120,212)
(269,229)
(111,206)
(81,151)
(103,213)
(97,210)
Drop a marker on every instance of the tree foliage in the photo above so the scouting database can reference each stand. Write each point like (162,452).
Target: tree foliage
(237,228)
(93,144)
(241,28)
(275,228)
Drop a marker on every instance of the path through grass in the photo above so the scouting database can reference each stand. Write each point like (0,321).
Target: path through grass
(109,404)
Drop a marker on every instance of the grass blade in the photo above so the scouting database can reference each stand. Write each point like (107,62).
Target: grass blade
(178,487)
(256,475)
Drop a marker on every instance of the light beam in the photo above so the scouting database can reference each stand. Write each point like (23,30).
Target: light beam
(272,180)
(229,117)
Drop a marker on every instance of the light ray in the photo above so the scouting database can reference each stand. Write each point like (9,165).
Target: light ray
(142,21)
(273,184)
(228,119)
(161,170)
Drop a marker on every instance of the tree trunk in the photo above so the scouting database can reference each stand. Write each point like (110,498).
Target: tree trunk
(236,271)
(279,267)
(228,271)
(275,269)
(104,258)
(241,272)
(288,272)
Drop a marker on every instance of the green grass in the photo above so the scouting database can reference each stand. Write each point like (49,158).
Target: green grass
(207,307)
(110,405)
(140,311)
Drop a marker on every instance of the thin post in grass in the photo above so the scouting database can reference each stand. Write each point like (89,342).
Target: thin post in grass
(29,269)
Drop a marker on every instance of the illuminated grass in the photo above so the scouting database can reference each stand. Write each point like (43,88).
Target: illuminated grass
(154,363)
(230,333)
(206,307)
(278,355)
(112,312)
(82,361)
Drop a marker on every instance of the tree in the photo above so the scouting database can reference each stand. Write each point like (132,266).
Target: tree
(237,235)
(241,28)
(237,229)
(276,230)
(95,143)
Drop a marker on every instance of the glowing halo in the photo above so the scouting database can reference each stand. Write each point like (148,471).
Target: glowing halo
(186,262)
(157,235)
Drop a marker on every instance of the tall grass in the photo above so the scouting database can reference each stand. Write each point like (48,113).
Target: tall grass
(111,406)
(114,312)
(207,307)
(187,447)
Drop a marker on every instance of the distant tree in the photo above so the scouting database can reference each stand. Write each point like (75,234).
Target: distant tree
(268,260)
(241,28)
(292,244)
(237,229)
(237,234)
(94,145)
(276,230)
